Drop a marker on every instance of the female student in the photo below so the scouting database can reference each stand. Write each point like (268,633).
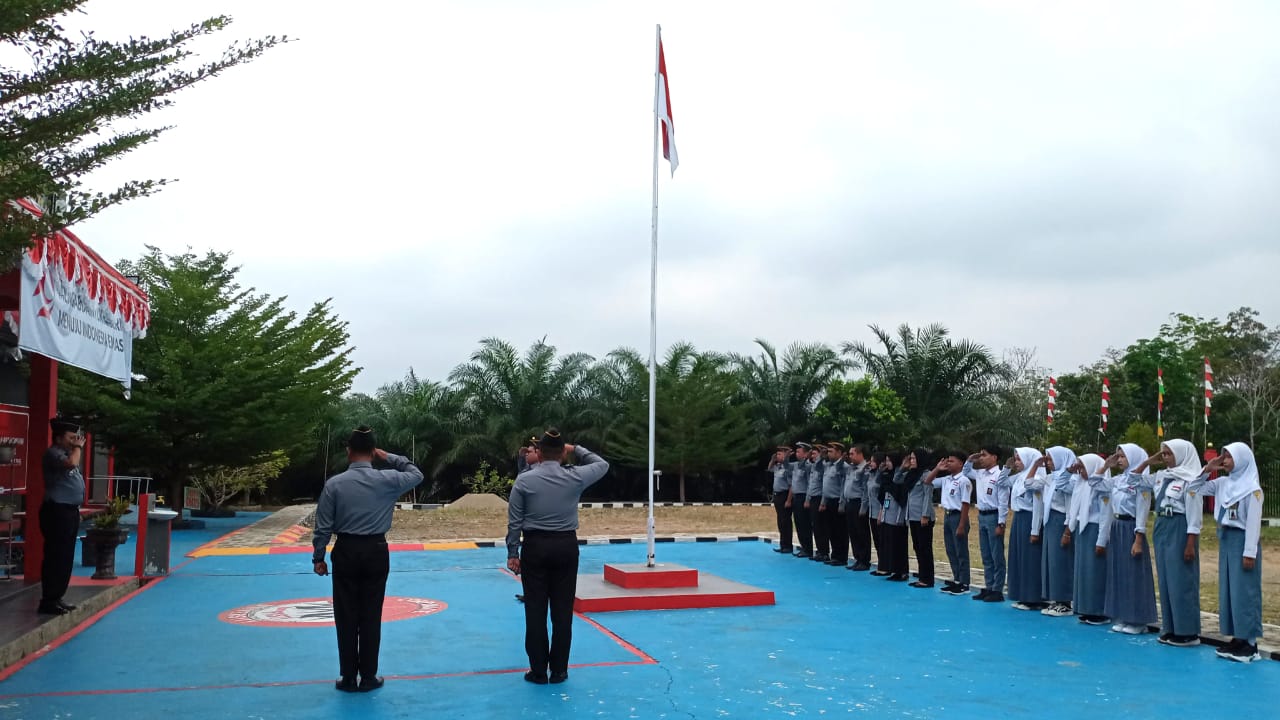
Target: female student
(893,522)
(1130,593)
(874,507)
(1026,559)
(1088,516)
(1176,551)
(1239,515)
(1059,557)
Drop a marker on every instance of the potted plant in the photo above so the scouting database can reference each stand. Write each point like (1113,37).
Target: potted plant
(105,534)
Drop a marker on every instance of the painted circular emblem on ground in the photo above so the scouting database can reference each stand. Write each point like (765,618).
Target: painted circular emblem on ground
(318,612)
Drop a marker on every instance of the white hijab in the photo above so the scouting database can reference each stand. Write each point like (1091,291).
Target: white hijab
(1135,455)
(1082,497)
(1062,457)
(1243,479)
(1028,456)
(1186,463)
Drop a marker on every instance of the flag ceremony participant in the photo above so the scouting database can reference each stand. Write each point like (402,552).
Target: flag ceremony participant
(991,485)
(1130,593)
(1059,556)
(1026,559)
(779,469)
(1176,551)
(542,548)
(854,508)
(956,492)
(813,503)
(832,494)
(60,514)
(800,469)
(1088,518)
(874,506)
(920,515)
(356,506)
(893,522)
(1239,515)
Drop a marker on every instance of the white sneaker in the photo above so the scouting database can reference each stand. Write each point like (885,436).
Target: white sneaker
(1056,610)
(1020,606)
(1132,629)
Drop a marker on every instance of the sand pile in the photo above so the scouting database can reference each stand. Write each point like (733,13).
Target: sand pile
(474,501)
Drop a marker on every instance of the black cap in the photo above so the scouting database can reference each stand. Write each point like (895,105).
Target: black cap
(551,439)
(361,440)
(64,425)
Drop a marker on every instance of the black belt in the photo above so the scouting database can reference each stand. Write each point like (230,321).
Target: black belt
(1170,512)
(1124,517)
(953,512)
(550,533)
(58,504)
(378,537)
(988,512)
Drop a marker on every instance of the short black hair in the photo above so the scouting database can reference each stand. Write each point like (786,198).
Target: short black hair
(362,440)
(957,454)
(861,448)
(994,450)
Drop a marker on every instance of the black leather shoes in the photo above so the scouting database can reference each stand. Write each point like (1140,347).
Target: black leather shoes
(370,684)
(66,606)
(783,550)
(51,607)
(346,685)
(535,678)
(559,677)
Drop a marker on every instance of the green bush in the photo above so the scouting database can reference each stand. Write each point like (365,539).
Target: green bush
(487,480)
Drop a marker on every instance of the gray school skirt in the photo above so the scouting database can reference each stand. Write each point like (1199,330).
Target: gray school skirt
(1239,592)
(1025,562)
(1179,580)
(1059,562)
(1130,593)
(1090,594)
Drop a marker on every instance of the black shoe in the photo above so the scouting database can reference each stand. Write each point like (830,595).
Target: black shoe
(982,595)
(820,558)
(51,607)
(66,606)
(838,563)
(915,574)
(345,685)
(804,554)
(880,573)
(536,678)
(782,550)
(559,677)
(860,567)
(920,584)
(369,685)
(898,578)
(994,596)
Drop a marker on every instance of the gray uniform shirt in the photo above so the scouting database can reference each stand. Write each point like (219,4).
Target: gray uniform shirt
(61,484)
(545,497)
(781,481)
(816,474)
(919,500)
(855,485)
(797,472)
(360,500)
(833,479)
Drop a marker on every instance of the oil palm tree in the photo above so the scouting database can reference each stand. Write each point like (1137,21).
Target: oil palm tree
(782,394)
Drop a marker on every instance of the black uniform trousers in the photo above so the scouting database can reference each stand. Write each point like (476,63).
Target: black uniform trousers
(804,528)
(784,520)
(360,567)
(859,532)
(59,523)
(893,546)
(549,574)
(837,529)
(922,538)
(821,533)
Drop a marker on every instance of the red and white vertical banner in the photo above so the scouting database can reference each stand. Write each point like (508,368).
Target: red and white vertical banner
(1208,395)
(1106,405)
(665,117)
(1052,401)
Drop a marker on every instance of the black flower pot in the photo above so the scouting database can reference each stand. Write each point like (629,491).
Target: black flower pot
(105,542)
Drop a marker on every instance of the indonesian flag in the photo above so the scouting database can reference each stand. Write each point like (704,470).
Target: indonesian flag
(1106,404)
(664,111)
(1052,400)
(1208,389)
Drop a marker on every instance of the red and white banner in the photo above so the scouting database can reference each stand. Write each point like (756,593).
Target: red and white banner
(668,127)
(76,308)
(1052,401)
(1208,390)
(1106,405)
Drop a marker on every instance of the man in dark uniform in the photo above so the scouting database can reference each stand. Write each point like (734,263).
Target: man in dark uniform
(60,514)
(356,505)
(543,508)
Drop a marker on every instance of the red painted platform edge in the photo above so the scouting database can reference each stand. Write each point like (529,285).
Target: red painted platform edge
(685,577)
(673,602)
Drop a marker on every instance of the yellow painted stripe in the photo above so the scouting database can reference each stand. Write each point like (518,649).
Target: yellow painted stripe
(450,546)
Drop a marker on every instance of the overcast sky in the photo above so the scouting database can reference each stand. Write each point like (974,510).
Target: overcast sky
(1058,176)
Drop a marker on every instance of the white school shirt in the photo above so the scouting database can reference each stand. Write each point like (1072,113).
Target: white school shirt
(992,494)
(1245,515)
(956,490)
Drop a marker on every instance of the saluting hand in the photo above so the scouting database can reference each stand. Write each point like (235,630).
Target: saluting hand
(380,454)
(321,569)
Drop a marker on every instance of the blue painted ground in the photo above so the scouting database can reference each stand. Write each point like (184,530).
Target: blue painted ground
(835,643)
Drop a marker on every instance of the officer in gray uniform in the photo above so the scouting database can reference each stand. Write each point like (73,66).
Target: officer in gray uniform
(543,509)
(800,471)
(853,505)
(813,502)
(780,469)
(60,514)
(356,505)
(833,477)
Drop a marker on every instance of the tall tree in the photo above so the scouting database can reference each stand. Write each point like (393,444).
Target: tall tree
(783,393)
(947,385)
(230,374)
(506,398)
(701,426)
(60,107)
(862,412)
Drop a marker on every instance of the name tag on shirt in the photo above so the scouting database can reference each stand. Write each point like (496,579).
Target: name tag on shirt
(989,490)
(886,503)
(1233,512)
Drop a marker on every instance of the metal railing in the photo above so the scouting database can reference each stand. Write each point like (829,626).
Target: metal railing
(102,487)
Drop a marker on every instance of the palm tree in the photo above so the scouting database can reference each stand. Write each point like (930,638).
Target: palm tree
(618,383)
(945,384)
(782,395)
(506,398)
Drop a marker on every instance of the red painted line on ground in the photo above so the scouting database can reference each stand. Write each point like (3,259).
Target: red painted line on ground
(62,639)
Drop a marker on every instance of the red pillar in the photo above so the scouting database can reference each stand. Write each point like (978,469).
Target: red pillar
(43,401)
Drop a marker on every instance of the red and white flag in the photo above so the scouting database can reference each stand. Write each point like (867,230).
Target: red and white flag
(668,128)
(1208,389)
(1052,399)
(1106,404)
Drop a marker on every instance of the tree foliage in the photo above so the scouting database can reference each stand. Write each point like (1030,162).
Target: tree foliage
(219,484)
(61,110)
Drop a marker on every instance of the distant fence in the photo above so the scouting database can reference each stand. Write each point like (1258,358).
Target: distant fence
(1271,490)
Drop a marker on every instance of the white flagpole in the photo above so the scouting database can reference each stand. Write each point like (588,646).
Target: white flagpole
(653,291)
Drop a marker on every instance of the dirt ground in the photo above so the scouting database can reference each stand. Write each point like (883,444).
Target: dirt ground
(472,523)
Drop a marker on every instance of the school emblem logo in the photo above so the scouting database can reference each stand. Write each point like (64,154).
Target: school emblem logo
(318,612)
